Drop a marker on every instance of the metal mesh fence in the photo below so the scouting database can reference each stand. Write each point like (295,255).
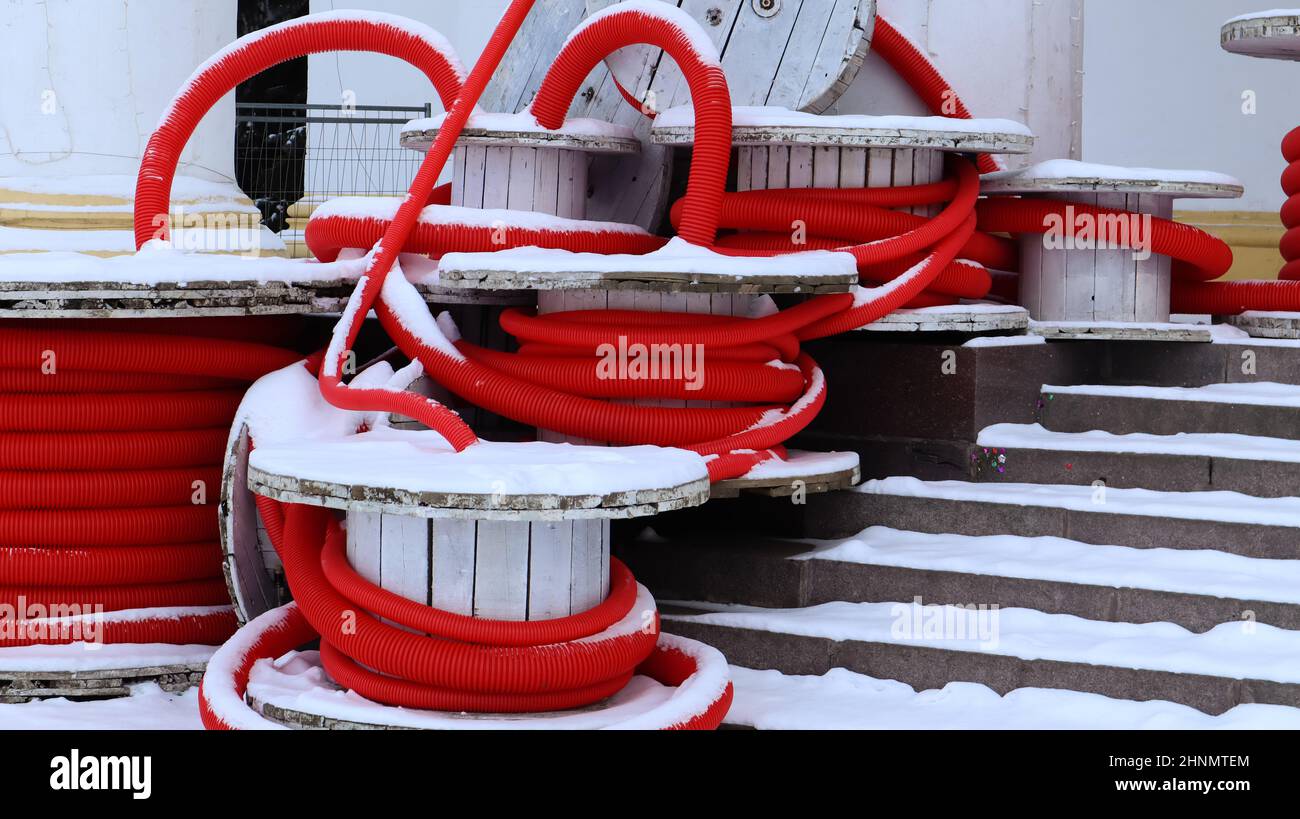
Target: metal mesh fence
(291,156)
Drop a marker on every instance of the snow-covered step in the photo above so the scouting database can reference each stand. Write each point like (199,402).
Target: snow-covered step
(1262,408)
(1006,649)
(1197,589)
(1142,518)
(845,700)
(1185,462)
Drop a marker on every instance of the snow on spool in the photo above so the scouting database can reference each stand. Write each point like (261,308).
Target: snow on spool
(780,148)
(508,532)
(776,148)
(502,531)
(1073,285)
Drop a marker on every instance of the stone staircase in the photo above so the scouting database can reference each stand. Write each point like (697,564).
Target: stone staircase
(1138,543)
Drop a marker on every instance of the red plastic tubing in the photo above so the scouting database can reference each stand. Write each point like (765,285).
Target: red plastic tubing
(111,444)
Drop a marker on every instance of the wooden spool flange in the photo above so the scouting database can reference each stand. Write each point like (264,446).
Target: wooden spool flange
(81,671)
(1269,35)
(1066,288)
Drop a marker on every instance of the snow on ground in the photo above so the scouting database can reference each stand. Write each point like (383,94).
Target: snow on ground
(1189,571)
(748,116)
(1063,169)
(839,699)
(1233,651)
(1230,507)
(842,699)
(149,708)
(524,123)
(1259,393)
(1208,444)
(677,256)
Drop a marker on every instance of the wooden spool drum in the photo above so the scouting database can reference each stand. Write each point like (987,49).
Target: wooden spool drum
(538,171)
(1060,283)
(848,151)
(867,152)
(469,545)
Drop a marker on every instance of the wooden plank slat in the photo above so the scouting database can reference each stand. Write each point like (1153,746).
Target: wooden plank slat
(550,570)
(501,570)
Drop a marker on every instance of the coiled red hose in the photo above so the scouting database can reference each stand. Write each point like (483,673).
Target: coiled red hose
(1290,244)
(110,467)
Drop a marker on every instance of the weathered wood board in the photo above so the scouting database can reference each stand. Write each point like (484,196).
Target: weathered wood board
(201,298)
(503,570)
(25,686)
(466,506)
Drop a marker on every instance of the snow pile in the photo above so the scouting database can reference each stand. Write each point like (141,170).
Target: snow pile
(1229,507)
(525,123)
(844,700)
(385,208)
(149,708)
(1068,169)
(1242,650)
(1187,571)
(676,257)
(1263,393)
(420,461)
(1206,444)
(159,263)
(762,116)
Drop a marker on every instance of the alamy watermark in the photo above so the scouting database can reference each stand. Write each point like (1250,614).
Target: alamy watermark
(1085,230)
(651,362)
(915,621)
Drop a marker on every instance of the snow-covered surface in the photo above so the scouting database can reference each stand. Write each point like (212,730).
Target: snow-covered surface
(1263,15)
(385,208)
(1216,445)
(1156,326)
(149,708)
(677,256)
(296,681)
(1189,571)
(210,241)
(1069,169)
(422,461)
(525,123)
(1005,341)
(1261,393)
(1229,334)
(755,116)
(844,700)
(186,190)
(158,263)
(97,657)
(1230,507)
(1244,650)
(800,464)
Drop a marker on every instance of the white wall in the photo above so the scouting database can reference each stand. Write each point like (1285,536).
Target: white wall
(1160,92)
(378,80)
(1015,59)
(84,83)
